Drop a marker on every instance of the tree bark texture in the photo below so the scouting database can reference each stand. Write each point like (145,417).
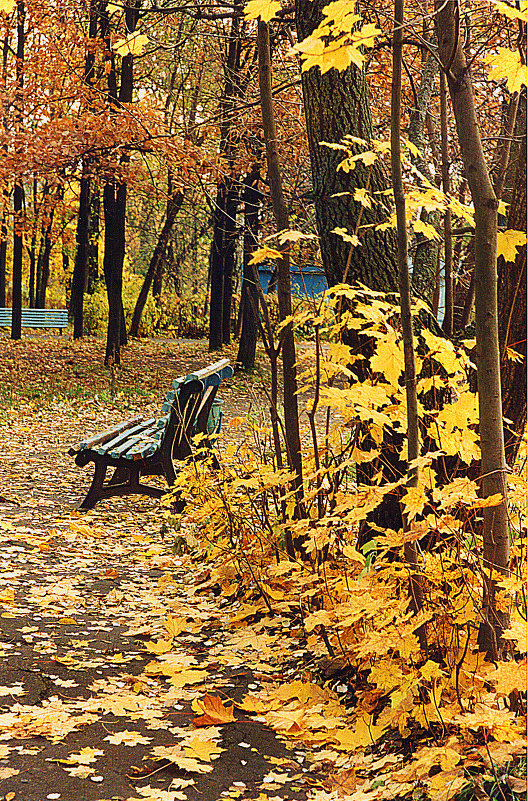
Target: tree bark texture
(447,324)
(336,104)
(493,464)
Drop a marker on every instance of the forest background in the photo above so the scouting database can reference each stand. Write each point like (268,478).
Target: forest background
(168,149)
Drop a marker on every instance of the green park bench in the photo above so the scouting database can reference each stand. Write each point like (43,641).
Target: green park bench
(148,447)
(37,318)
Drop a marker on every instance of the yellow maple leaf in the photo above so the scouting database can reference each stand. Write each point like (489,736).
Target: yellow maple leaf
(175,626)
(514,355)
(319,618)
(263,254)
(184,677)
(290,720)
(508,676)
(7,6)
(491,500)
(133,45)
(364,734)
(517,631)
(509,242)
(205,750)
(507,64)
(346,237)
(175,754)
(315,53)
(159,647)
(265,9)
(429,231)
(388,360)
(414,501)
(126,737)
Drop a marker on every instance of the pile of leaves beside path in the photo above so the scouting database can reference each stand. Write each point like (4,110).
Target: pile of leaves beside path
(413,687)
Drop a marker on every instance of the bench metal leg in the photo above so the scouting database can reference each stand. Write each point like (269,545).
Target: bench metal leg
(95,493)
(124,481)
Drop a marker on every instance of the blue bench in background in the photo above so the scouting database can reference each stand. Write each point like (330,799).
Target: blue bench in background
(308,281)
(36,318)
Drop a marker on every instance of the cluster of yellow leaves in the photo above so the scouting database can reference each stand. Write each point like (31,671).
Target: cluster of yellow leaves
(355,611)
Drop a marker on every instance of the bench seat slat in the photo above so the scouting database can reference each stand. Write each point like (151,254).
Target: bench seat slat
(124,436)
(105,436)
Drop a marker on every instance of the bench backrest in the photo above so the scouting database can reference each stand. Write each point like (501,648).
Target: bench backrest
(36,318)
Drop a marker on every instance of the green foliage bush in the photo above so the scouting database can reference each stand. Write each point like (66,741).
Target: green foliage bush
(178,316)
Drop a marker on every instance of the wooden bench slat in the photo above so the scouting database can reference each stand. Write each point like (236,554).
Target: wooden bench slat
(105,436)
(114,443)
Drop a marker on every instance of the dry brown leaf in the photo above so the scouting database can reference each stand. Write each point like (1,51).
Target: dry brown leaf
(215,713)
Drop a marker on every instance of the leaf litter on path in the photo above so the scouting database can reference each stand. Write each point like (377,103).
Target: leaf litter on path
(92,706)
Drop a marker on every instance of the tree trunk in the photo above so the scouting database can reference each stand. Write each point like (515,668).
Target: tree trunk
(493,464)
(512,306)
(426,250)
(413,440)
(115,197)
(223,243)
(249,295)
(336,104)
(280,212)
(173,207)
(114,203)
(18,194)
(80,268)
(447,324)
(44,262)
(93,238)
(81,256)
(3,260)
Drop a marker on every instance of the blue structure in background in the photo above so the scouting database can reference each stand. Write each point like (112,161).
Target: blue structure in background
(308,281)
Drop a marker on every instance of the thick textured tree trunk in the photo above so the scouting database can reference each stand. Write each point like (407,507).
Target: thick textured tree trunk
(493,464)
(336,104)
(249,296)
(173,207)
